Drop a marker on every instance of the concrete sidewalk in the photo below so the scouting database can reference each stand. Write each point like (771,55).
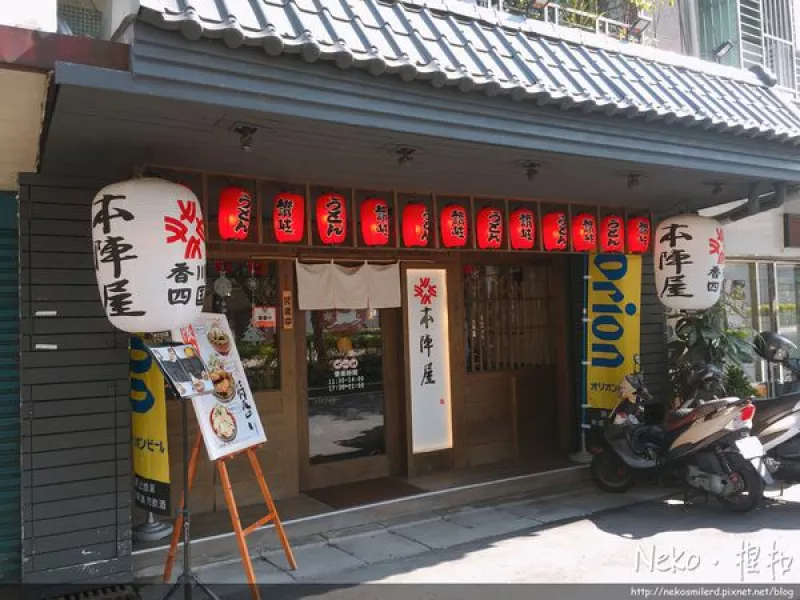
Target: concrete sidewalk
(434,531)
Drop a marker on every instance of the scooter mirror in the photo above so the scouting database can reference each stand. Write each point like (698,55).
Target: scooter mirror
(773,347)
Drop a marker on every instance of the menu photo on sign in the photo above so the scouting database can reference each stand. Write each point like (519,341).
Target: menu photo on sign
(429,359)
(227,415)
(184,368)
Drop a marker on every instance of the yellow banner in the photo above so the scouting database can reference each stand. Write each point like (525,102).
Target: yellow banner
(149,429)
(613,329)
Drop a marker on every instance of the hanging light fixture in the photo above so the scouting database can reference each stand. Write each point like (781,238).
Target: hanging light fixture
(522,229)
(584,232)
(416,226)
(375,222)
(453,223)
(289,218)
(332,219)
(235,209)
(554,231)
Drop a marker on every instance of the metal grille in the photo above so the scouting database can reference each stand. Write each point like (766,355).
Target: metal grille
(82,16)
(576,15)
(779,42)
(507,313)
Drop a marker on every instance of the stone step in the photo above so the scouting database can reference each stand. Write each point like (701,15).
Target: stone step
(319,530)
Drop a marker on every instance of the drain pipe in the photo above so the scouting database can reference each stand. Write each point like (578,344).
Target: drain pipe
(756,203)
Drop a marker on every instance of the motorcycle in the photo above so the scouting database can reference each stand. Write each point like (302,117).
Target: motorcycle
(777,420)
(707,448)
(777,424)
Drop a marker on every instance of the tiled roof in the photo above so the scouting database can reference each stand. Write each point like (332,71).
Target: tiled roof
(454,43)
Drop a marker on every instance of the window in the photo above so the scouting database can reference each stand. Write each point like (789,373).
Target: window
(253,285)
(763,296)
(507,313)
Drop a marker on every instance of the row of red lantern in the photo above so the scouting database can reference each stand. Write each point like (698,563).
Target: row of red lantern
(611,235)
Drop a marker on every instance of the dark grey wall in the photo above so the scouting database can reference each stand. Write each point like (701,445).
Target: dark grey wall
(75,409)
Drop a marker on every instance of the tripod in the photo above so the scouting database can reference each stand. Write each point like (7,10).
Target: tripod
(187,578)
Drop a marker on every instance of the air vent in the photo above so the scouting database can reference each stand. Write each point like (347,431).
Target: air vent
(115,592)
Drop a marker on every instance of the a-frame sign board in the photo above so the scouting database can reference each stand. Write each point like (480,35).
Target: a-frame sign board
(241,532)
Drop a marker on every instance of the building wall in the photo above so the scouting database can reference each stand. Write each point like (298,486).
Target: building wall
(76,492)
(10,544)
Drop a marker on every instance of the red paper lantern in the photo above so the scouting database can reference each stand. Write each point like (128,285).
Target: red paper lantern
(612,234)
(331,219)
(638,235)
(235,209)
(554,231)
(454,226)
(522,229)
(375,222)
(584,232)
(289,218)
(489,228)
(416,226)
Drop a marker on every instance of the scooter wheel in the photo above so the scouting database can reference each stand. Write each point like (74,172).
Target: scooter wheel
(752,486)
(610,474)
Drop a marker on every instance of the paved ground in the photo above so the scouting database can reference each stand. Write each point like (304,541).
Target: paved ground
(582,537)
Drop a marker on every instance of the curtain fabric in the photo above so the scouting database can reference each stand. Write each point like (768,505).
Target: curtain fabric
(330,286)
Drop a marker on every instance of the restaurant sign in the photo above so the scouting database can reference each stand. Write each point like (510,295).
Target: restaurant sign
(228,417)
(428,359)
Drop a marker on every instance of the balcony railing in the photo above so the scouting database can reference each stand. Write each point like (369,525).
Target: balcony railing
(569,16)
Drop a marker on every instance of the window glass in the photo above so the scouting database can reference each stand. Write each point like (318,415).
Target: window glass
(740,306)
(344,350)
(252,310)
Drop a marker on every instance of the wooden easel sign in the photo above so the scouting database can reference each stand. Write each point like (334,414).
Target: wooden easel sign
(230,427)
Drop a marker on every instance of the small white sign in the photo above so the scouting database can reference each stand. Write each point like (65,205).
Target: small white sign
(428,360)
(228,417)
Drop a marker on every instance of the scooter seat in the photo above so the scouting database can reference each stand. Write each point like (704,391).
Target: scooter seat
(769,410)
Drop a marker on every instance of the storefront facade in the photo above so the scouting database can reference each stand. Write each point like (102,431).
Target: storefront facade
(212,113)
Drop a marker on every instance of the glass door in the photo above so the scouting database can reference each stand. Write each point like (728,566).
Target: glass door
(344,354)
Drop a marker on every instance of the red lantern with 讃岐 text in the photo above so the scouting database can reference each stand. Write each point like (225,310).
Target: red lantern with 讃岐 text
(235,210)
(289,218)
(454,226)
(554,231)
(522,229)
(638,237)
(489,228)
(416,226)
(584,232)
(331,219)
(375,222)
(612,234)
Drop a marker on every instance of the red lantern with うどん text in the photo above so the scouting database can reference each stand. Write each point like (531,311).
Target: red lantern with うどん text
(489,228)
(554,231)
(453,220)
(235,210)
(375,222)
(584,232)
(416,226)
(289,218)
(332,219)
(612,234)
(522,229)
(638,237)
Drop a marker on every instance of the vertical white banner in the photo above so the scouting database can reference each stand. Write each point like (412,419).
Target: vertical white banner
(428,359)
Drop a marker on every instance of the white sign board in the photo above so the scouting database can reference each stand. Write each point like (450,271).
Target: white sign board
(228,417)
(428,359)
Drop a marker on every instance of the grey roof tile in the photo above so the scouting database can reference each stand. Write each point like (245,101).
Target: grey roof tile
(453,43)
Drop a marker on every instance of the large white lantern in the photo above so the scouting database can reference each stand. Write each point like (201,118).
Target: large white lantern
(689,262)
(148,238)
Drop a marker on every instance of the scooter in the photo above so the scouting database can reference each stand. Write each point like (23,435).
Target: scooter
(708,448)
(777,423)
(777,420)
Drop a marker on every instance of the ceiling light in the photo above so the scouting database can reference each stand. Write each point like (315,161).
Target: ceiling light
(531,170)
(404,155)
(246,134)
(634,179)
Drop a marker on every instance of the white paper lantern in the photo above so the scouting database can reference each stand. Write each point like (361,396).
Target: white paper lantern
(689,262)
(148,238)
